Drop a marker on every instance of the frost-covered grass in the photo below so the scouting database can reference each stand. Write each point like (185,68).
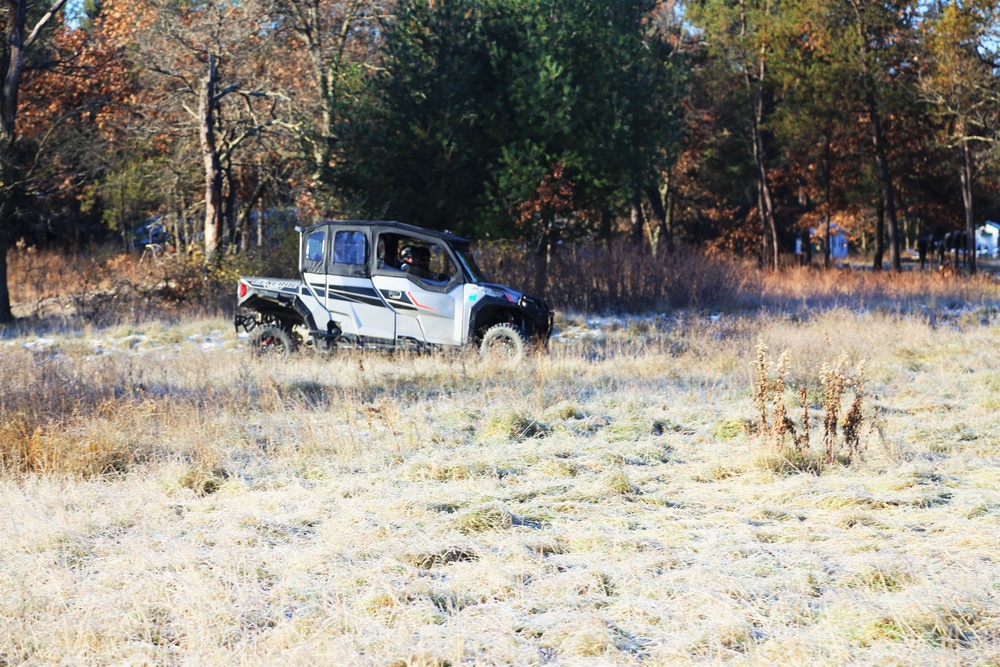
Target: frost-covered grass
(169,500)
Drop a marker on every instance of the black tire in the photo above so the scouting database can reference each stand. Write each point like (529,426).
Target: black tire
(272,341)
(503,342)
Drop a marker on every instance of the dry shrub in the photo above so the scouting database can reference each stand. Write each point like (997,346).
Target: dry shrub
(615,275)
(906,291)
(108,286)
(34,275)
(75,446)
(173,284)
(786,444)
(90,415)
(40,386)
(44,398)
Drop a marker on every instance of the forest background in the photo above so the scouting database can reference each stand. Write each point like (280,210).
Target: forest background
(719,127)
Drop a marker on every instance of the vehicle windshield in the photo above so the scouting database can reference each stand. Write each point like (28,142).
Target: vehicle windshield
(468,262)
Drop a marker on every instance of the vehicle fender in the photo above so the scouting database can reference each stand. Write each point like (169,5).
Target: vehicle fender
(491,307)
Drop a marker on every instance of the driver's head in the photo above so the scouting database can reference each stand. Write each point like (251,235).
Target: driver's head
(418,255)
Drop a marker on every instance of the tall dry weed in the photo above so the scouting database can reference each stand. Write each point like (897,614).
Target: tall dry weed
(788,445)
(833,381)
(854,418)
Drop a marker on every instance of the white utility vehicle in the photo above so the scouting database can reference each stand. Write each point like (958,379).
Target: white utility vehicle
(387,285)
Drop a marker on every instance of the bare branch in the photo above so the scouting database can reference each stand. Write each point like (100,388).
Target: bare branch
(42,22)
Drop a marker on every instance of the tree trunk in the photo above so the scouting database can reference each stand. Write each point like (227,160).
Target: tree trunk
(879,142)
(879,235)
(244,227)
(246,213)
(323,74)
(885,179)
(6,314)
(260,224)
(661,203)
(654,230)
(213,166)
(543,259)
(765,201)
(180,213)
(14,58)
(667,194)
(15,42)
(229,214)
(970,224)
(755,96)
(637,219)
(606,225)
(828,159)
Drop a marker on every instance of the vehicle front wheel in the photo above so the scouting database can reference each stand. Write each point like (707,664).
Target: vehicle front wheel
(272,341)
(503,342)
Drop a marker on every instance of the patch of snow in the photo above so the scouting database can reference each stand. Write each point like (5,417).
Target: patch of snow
(44,343)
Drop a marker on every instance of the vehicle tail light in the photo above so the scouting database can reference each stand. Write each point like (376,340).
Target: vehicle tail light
(243,289)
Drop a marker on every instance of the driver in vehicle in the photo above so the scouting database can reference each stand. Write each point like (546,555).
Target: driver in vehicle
(417,261)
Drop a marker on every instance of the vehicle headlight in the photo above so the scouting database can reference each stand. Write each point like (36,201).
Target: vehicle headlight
(530,304)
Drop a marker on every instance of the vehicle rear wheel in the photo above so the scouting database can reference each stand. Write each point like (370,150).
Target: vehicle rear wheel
(503,342)
(272,341)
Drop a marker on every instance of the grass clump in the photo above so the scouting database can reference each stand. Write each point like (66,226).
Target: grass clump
(28,446)
(450,554)
(491,516)
(485,518)
(617,483)
(565,411)
(592,640)
(513,426)
(880,578)
(664,426)
(943,627)
(203,479)
(730,429)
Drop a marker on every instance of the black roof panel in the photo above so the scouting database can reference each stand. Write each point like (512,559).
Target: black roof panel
(387,225)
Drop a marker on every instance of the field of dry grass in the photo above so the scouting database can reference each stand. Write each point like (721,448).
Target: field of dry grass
(168,500)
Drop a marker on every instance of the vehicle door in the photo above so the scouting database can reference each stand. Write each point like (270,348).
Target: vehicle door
(314,250)
(427,300)
(351,297)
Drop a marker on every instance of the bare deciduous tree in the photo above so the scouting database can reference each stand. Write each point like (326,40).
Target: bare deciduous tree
(21,33)
(210,66)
